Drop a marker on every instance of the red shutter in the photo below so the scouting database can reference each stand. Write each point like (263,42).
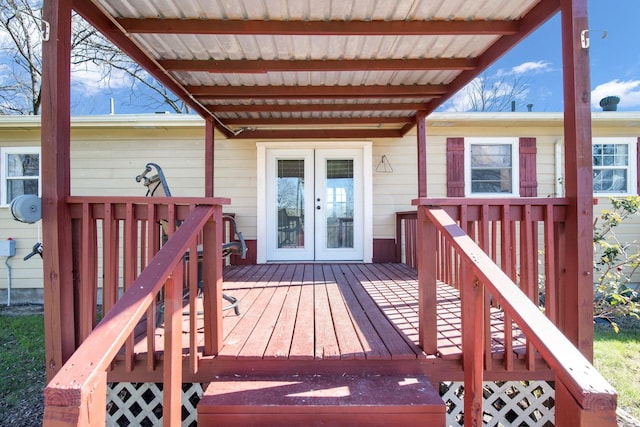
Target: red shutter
(455,167)
(528,174)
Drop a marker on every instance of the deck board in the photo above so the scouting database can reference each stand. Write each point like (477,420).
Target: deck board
(333,312)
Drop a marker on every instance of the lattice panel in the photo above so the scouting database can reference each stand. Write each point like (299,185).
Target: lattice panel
(518,403)
(140,404)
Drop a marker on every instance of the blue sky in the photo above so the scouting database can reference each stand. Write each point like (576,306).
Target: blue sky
(537,61)
(615,59)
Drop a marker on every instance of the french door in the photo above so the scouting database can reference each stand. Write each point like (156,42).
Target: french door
(314,204)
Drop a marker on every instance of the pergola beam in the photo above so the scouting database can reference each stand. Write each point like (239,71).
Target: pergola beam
(318,134)
(313,120)
(264,66)
(297,92)
(318,28)
(308,107)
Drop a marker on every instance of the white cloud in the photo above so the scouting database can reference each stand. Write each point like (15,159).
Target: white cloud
(628,91)
(531,67)
(90,78)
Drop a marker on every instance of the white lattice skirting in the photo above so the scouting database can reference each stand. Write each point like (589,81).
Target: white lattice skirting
(140,404)
(509,403)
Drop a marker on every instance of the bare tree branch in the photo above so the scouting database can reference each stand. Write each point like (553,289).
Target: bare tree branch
(21,63)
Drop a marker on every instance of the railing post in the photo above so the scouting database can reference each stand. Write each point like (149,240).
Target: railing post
(212,275)
(569,413)
(78,407)
(172,363)
(427,284)
(472,346)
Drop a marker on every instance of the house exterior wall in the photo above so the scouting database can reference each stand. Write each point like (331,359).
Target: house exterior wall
(107,152)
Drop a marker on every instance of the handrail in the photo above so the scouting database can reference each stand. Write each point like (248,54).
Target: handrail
(77,394)
(579,387)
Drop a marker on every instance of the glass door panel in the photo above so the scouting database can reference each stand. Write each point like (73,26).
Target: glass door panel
(290,202)
(339,203)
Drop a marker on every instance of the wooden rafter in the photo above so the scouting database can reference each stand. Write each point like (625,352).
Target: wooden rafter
(287,92)
(313,120)
(263,66)
(324,133)
(306,107)
(318,28)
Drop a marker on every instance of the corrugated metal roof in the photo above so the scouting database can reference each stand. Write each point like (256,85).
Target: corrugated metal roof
(317,60)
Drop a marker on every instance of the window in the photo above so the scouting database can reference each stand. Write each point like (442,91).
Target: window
(491,166)
(613,166)
(20,172)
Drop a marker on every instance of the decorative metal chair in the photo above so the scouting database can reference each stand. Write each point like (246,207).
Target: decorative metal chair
(156,185)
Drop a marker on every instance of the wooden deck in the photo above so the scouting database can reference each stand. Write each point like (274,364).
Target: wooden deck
(328,318)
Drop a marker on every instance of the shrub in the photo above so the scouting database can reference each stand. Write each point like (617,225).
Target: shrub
(615,263)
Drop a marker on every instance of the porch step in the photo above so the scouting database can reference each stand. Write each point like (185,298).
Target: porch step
(321,400)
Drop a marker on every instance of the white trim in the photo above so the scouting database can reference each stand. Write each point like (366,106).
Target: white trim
(367,168)
(631,168)
(514,142)
(4,151)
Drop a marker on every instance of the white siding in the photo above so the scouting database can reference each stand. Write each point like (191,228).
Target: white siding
(107,154)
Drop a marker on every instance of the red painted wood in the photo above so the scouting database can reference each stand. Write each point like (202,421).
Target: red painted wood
(321,399)
(303,341)
(345,331)
(455,167)
(87,288)
(172,367)
(384,250)
(372,344)
(391,337)
(584,382)
(427,283)
(259,336)
(550,257)
(421,126)
(95,355)
(527,169)
(212,277)
(280,342)
(59,311)
(326,342)
(129,275)
(473,337)
(574,415)
(577,315)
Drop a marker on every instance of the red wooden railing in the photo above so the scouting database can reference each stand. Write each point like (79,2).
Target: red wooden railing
(406,234)
(117,243)
(449,250)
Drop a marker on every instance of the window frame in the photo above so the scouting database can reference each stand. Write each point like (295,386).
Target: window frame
(631,167)
(514,142)
(4,166)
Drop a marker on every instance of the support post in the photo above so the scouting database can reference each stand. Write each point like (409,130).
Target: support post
(427,282)
(209,157)
(472,346)
(172,366)
(421,126)
(577,315)
(56,185)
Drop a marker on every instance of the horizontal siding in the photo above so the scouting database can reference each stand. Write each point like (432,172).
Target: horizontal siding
(107,162)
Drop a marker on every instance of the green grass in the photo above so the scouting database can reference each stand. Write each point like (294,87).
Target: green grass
(617,357)
(21,365)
